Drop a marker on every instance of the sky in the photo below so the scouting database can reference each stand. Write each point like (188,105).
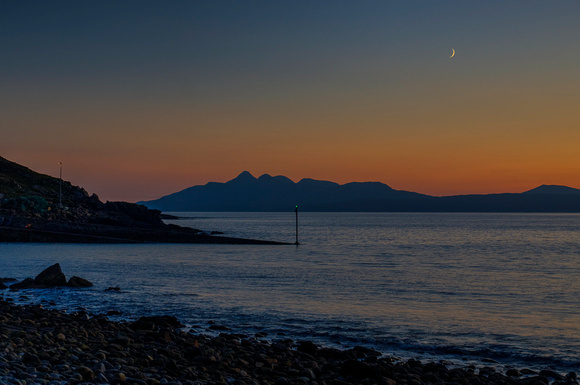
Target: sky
(140,99)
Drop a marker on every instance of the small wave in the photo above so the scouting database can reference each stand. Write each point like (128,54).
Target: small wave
(180,294)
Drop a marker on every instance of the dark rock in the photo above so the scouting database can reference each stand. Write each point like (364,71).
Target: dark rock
(169,216)
(413,363)
(308,347)
(486,370)
(142,325)
(123,341)
(87,373)
(308,373)
(164,336)
(282,381)
(3,286)
(151,323)
(30,359)
(5,280)
(358,369)
(51,276)
(512,373)
(536,380)
(528,372)
(78,282)
(551,374)
(171,365)
(387,381)
(335,354)
(429,377)
(26,284)
(116,288)
(572,376)
(219,327)
(230,337)
(362,352)
(114,312)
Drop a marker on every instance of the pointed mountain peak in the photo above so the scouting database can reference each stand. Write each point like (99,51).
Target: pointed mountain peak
(244,177)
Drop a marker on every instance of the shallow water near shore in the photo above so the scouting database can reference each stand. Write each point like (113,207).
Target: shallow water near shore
(467,288)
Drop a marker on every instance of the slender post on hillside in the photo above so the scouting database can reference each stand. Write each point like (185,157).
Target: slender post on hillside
(60,187)
(296,211)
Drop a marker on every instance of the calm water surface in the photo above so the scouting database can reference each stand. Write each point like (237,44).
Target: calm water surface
(467,288)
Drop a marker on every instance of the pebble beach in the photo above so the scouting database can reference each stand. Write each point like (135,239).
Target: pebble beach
(44,346)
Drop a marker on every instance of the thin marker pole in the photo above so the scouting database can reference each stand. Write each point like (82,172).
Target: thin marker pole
(296,211)
(60,189)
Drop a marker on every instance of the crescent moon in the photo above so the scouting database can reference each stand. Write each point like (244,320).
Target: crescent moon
(453,54)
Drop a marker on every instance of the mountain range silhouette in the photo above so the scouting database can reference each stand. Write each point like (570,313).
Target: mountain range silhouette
(279,193)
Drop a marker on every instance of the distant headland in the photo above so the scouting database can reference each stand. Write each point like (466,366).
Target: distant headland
(39,208)
(278,193)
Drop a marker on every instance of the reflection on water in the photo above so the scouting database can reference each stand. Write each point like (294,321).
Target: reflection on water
(452,285)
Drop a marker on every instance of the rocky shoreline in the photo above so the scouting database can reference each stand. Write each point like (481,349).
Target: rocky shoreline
(39,208)
(43,346)
(23,229)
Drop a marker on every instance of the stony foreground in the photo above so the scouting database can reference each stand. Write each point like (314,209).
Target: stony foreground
(40,346)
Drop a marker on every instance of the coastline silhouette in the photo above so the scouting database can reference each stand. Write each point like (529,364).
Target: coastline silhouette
(279,193)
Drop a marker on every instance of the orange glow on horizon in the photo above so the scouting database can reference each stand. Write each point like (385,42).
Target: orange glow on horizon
(339,96)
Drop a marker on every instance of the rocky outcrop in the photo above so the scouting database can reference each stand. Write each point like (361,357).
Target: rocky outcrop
(40,208)
(28,194)
(78,282)
(50,277)
(28,283)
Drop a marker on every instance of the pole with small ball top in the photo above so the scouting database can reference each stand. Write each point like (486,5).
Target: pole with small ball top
(296,211)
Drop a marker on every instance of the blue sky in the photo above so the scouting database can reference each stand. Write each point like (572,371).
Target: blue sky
(139,99)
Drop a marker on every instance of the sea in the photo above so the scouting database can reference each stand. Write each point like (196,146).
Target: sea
(465,289)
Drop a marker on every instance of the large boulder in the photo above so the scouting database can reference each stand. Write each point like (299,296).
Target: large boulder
(78,282)
(51,276)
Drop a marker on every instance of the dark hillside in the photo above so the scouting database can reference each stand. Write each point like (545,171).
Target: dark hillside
(31,211)
(26,193)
